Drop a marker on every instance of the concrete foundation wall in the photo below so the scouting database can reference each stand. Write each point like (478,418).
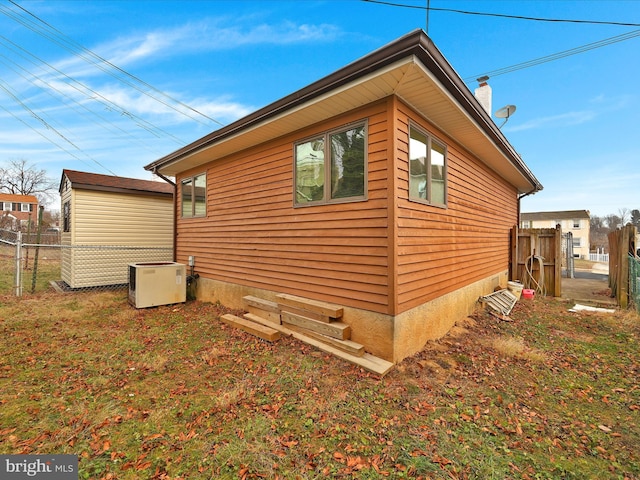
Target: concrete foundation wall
(384,336)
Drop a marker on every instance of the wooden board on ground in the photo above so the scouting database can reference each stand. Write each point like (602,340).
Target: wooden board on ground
(367,361)
(272,317)
(263,321)
(261,331)
(325,308)
(338,330)
(307,313)
(347,346)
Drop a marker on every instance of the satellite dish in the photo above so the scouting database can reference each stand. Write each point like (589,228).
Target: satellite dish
(505,112)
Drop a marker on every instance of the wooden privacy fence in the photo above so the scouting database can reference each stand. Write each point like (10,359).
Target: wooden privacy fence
(622,243)
(536,259)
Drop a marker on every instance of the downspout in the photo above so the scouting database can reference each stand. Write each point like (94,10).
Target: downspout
(175,209)
(520,197)
(515,247)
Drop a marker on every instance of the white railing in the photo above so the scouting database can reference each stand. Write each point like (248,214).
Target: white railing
(599,257)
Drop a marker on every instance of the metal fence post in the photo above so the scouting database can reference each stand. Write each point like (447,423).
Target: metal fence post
(18,283)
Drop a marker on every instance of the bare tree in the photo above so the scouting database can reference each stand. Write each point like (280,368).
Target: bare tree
(20,178)
(625,215)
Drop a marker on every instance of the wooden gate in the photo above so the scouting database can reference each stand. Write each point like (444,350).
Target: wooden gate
(536,259)
(622,242)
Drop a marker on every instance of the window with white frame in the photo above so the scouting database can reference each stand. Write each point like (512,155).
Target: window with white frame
(526,224)
(25,207)
(6,206)
(194,196)
(427,168)
(577,242)
(332,167)
(576,223)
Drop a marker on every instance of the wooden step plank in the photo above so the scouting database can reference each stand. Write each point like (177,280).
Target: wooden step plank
(261,331)
(273,317)
(266,305)
(338,330)
(325,308)
(267,323)
(307,313)
(367,361)
(347,346)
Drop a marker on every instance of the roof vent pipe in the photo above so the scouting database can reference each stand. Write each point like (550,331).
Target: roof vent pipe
(483,94)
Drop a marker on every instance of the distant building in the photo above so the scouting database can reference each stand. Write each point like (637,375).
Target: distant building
(17,210)
(575,221)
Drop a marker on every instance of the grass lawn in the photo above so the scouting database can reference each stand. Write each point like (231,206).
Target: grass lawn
(170,392)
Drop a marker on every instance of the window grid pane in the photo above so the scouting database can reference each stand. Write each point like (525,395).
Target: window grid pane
(347,163)
(187,192)
(310,172)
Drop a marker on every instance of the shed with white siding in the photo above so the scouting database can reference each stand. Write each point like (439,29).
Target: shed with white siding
(102,212)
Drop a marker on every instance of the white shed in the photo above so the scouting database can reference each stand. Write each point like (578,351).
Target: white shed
(109,222)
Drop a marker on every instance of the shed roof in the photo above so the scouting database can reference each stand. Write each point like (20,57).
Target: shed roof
(111,183)
(11,197)
(558,215)
(412,68)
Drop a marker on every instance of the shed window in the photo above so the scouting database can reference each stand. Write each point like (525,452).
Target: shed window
(194,195)
(332,167)
(427,168)
(66,216)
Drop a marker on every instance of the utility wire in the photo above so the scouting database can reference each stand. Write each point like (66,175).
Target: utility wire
(94,95)
(72,103)
(501,15)
(556,56)
(78,49)
(44,122)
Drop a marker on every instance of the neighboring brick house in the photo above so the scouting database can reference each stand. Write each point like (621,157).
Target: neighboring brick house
(575,221)
(17,210)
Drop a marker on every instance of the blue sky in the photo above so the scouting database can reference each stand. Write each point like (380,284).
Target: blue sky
(576,125)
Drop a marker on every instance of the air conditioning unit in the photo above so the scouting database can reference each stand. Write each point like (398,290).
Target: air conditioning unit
(157,283)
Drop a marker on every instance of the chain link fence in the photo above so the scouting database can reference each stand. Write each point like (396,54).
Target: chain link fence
(28,267)
(634,281)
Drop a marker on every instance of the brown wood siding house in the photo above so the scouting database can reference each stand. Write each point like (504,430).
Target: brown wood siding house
(404,268)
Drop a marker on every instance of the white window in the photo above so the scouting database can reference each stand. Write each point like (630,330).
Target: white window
(427,168)
(576,224)
(526,224)
(6,206)
(194,196)
(25,207)
(577,242)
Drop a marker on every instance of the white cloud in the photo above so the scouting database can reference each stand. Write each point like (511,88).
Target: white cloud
(555,121)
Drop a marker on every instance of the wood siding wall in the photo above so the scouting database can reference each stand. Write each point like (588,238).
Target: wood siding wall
(386,254)
(252,234)
(442,249)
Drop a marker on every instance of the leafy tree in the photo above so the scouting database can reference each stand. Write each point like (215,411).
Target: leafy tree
(21,178)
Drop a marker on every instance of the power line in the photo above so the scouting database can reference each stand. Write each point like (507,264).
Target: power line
(49,126)
(95,59)
(94,95)
(501,15)
(557,56)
